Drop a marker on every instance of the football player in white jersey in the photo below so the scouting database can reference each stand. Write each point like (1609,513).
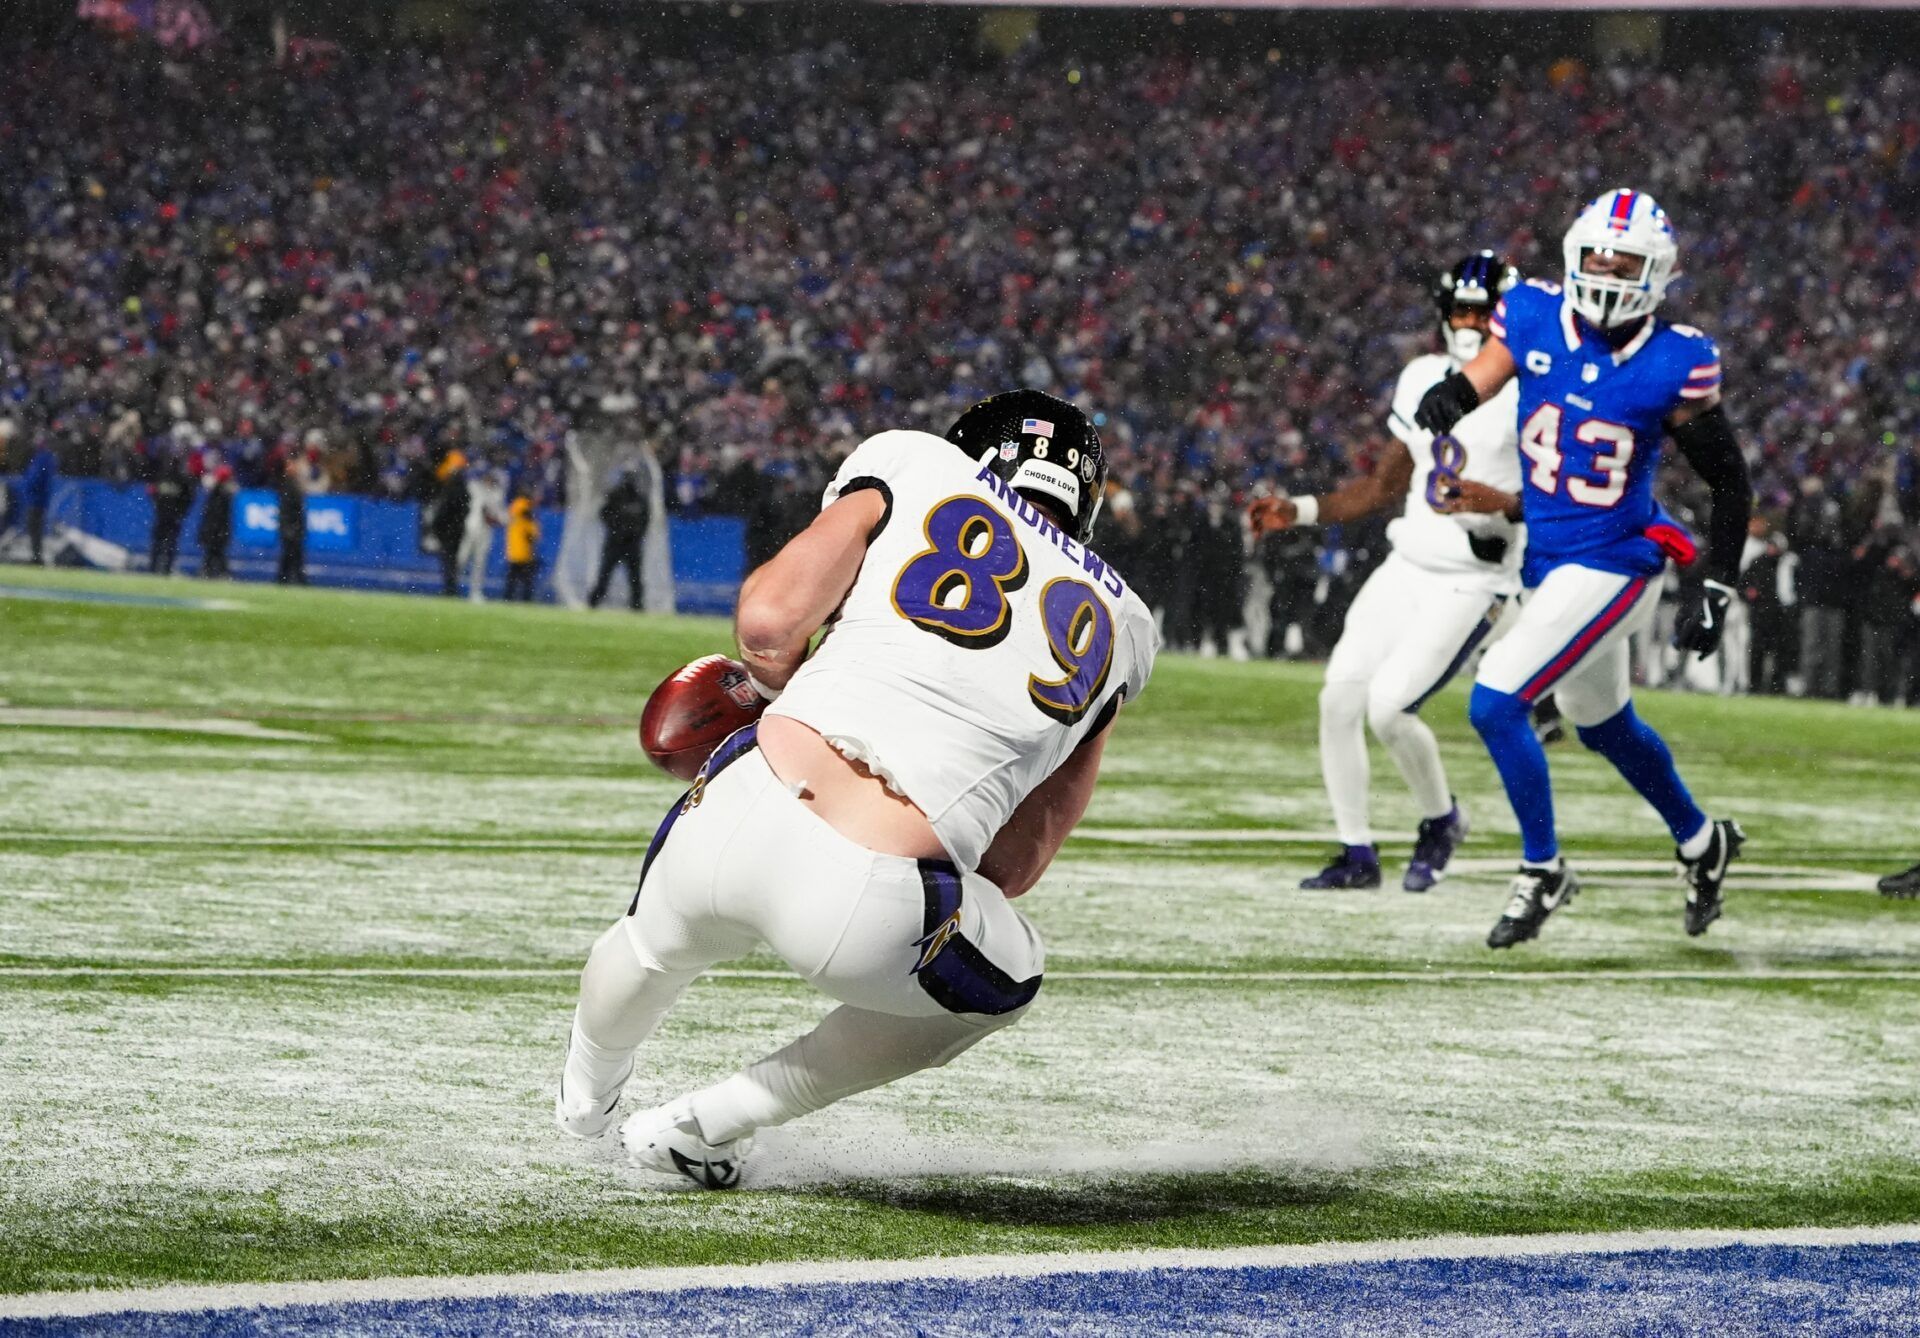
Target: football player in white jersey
(913,775)
(1424,610)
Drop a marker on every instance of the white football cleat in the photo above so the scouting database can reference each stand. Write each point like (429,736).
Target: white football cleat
(587,1117)
(668,1139)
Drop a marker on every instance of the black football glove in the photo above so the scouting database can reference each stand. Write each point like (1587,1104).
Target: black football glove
(1704,619)
(1446,402)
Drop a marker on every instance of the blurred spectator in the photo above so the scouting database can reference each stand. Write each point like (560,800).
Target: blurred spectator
(1886,587)
(172,494)
(523,538)
(216,523)
(625,514)
(292,498)
(35,495)
(486,512)
(1287,556)
(451,503)
(1765,589)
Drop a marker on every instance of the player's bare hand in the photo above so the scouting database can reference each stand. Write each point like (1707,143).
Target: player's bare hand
(1268,514)
(1469,497)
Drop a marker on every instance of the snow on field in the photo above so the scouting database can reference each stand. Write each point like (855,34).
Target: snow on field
(345,1100)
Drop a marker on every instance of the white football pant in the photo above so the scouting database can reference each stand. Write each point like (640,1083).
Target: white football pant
(1570,638)
(1409,631)
(924,960)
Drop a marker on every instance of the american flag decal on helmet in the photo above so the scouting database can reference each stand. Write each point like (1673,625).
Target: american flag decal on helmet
(1036,427)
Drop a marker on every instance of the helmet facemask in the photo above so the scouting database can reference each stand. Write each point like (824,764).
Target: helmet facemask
(1624,226)
(1476,283)
(1463,344)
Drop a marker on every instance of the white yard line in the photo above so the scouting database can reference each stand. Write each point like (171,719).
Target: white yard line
(48,717)
(1225,976)
(178,1298)
(1826,878)
(593,845)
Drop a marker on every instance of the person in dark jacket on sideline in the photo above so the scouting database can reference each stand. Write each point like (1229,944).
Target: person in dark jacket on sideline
(1885,592)
(35,495)
(451,503)
(293,528)
(625,513)
(216,524)
(172,493)
(1768,649)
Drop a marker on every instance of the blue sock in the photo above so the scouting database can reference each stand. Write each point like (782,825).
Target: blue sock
(1642,757)
(1504,722)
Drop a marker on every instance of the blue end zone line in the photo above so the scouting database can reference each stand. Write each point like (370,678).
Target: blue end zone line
(56,594)
(178,1298)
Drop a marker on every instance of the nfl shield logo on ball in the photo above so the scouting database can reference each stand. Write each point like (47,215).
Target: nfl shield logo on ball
(734,683)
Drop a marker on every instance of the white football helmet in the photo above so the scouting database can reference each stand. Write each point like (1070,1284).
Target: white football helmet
(1621,222)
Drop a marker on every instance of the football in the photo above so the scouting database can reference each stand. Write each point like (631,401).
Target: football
(693,710)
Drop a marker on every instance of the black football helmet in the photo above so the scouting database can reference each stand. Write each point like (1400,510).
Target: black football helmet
(1480,280)
(1038,443)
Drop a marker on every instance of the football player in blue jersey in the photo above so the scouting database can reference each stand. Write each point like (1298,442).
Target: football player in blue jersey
(1602,378)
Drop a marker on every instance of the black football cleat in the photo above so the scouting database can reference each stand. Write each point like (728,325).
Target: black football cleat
(1703,876)
(1536,894)
(1903,886)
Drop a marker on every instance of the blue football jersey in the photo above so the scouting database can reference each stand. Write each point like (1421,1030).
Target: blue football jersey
(1592,421)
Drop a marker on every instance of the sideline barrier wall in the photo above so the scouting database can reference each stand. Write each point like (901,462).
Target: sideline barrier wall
(369,543)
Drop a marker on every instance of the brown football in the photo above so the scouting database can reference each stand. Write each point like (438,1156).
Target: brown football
(693,710)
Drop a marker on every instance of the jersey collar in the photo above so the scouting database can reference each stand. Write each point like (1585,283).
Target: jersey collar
(1571,330)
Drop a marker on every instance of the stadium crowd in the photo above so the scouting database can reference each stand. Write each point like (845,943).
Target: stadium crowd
(347,269)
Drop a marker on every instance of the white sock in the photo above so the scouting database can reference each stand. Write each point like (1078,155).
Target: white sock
(1417,754)
(851,1051)
(1553,865)
(622,999)
(595,1072)
(1696,845)
(1343,760)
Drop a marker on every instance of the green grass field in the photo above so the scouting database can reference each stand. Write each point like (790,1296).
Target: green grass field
(292,891)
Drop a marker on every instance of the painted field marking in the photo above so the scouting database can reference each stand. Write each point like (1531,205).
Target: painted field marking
(174,1298)
(48,717)
(1449,975)
(593,845)
(62,595)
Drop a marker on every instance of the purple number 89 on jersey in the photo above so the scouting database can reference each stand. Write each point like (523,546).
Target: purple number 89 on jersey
(1449,458)
(1080,635)
(957,589)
